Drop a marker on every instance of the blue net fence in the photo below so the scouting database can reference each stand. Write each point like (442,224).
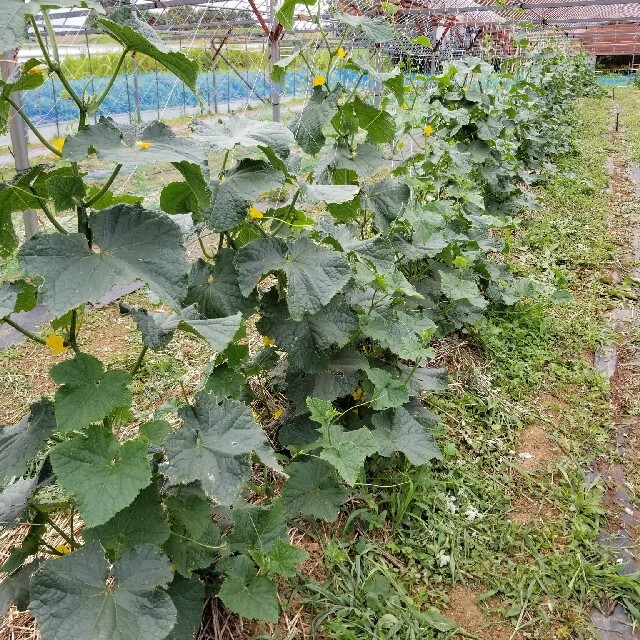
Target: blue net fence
(160,92)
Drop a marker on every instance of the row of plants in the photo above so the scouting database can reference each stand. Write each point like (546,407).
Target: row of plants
(388,238)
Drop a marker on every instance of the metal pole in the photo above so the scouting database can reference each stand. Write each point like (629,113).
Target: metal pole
(19,135)
(274,56)
(136,86)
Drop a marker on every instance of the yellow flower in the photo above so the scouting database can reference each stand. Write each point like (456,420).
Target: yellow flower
(64,549)
(428,130)
(58,143)
(465,89)
(342,54)
(55,342)
(358,393)
(142,145)
(405,105)
(255,213)
(319,81)
(35,70)
(221,178)
(267,341)
(277,413)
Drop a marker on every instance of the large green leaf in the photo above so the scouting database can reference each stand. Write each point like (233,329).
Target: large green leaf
(141,522)
(379,125)
(457,288)
(388,392)
(25,77)
(258,527)
(195,538)
(188,597)
(308,125)
(14,501)
(103,475)
(304,339)
(79,597)
(135,35)
(329,193)
(285,12)
(346,451)
(399,430)
(342,162)
(393,80)
(234,131)
(215,290)
(88,393)
(375,250)
(135,244)
(213,447)
(248,594)
(8,238)
(158,328)
(282,559)
(13,25)
(14,589)
(232,197)
(340,378)
(376,30)
(145,144)
(314,274)
(21,443)
(66,191)
(387,197)
(178,197)
(312,490)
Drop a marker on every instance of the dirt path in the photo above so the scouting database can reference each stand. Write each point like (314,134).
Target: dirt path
(619,361)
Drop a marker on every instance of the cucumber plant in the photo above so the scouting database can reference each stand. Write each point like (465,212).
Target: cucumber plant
(383,240)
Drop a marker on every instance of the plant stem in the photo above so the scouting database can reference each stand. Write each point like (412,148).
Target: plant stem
(60,532)
(31,126)
(289,210)
(105,187)
(224,162)
(41,44)
(52,35)
(112,79)
(47,212)
(136,366)
(204,250)
(73,331)
(23,331)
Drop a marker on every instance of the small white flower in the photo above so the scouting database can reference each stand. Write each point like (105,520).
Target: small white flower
(471,513)
(525,456)
(619,560)
(628,511)
(451,504)
(444,559)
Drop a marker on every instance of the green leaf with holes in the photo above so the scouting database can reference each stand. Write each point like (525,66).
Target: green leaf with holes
(103,475)
(79,596)
(88,392)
